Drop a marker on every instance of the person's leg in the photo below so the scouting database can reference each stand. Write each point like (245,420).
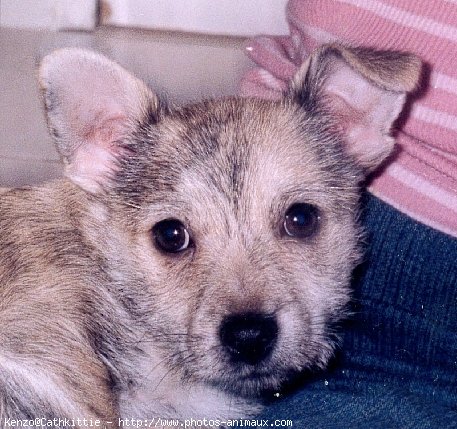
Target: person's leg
(397,367)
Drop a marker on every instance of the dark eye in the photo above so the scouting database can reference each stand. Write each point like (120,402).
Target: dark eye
(171,236)
(301,220)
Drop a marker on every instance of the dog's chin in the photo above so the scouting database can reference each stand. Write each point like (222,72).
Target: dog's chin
(255,383)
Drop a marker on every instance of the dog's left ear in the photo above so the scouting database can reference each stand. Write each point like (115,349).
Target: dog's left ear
(93,108)
(363,91)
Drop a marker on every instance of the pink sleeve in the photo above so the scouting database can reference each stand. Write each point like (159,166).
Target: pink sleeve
(421,180)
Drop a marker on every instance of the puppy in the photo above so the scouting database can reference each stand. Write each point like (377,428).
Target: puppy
(192,258)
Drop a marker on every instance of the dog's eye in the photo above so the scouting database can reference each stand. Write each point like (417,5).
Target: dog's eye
(171,236)
(301,220)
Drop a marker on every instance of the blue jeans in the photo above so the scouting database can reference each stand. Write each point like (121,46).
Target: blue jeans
(397,367)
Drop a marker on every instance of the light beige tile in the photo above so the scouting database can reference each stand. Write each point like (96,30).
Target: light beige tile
(20,172)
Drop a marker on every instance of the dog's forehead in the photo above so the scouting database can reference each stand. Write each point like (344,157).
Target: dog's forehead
(240,151)
(233,136)
(239,155)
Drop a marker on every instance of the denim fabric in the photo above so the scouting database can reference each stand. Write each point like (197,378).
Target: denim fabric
(397,367)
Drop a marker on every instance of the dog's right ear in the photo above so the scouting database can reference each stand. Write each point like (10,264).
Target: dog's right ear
(93,106)
(362,90)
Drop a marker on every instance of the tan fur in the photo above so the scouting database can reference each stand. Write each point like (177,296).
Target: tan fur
(96,320)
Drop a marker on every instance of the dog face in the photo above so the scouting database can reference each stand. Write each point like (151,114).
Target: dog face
(237,217)
(245,233)
(227,229)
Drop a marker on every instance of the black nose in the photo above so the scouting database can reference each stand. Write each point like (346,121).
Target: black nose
(250,337)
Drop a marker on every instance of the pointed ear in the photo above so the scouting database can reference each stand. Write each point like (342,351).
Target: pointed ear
(362,90)
(93,106)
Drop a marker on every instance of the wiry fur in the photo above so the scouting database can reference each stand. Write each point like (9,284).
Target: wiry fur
(95,321)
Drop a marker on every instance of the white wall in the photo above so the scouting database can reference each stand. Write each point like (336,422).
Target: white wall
(224,17)
(229,17)
(49,14)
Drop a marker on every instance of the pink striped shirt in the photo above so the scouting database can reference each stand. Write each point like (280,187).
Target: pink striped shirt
(421,180)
